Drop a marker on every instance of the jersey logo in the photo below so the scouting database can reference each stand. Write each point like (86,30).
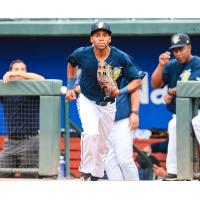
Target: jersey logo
(100,24)
(176,39)
(198,78)
(140,73)
(116,73)
(185,75)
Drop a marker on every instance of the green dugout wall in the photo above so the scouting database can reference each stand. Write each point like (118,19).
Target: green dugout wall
(121,27)
(80,27)
(187,101)
(50,122)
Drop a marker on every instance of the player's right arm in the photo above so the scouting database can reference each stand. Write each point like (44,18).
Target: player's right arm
(71,76)
(135,104)
(157,77)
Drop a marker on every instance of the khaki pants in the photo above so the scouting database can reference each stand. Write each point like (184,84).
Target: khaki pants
(19,154)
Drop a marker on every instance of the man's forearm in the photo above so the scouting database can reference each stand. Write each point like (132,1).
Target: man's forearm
(172,91)
(135,100)
(31,76)
(71,76)
(71,71)
(25,75)
(157,78)
(134,85)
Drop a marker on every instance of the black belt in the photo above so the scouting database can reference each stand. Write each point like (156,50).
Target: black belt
(105,101)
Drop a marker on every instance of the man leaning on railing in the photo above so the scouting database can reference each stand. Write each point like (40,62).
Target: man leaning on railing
(21,113)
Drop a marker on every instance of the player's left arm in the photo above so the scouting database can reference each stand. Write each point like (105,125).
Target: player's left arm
(131,87)
(134,116)
(134,85)
(171,93)
(132,73)
(31,76)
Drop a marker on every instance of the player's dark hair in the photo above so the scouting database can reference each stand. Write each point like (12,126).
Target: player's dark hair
(15,61)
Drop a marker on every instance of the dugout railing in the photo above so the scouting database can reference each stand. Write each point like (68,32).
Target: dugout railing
(187,103)
(49,124)
(68,124)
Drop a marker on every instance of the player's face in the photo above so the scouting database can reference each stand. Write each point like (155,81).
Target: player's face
(18,67)
(183,54)
(100,39)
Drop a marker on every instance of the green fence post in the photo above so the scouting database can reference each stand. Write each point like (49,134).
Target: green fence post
(184,138)
(67,138)
(49,144)
(187,101)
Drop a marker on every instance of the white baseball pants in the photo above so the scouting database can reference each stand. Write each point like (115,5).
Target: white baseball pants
(97,122)
(196,126)
(171,161)
(119,161)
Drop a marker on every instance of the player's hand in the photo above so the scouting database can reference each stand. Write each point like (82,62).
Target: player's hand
(12,76)
(164,58)
(133,121)
(70,95)
(147,149)
(6,77)
(168,98)
(78,89)
(9,76)
(159,171)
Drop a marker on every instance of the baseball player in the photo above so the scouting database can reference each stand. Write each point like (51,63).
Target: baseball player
(119,161)
(184,67)
(96,108)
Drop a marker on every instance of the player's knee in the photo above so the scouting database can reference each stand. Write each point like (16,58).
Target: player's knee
(195,121)
(172,126)
(123,162)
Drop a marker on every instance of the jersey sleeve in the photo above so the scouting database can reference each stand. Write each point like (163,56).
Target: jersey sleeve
(195,75)
(74,58)
(130,69)
(78,77)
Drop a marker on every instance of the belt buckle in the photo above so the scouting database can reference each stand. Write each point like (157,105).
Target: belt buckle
(109,99)
(103,103)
